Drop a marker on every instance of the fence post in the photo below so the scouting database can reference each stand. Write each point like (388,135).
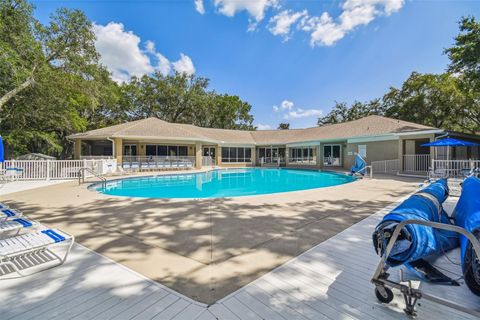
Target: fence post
(48,169)
(13,168)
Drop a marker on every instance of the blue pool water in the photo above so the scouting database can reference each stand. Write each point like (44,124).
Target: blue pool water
(222,183)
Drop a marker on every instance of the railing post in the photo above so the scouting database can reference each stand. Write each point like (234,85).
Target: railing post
(13,168)
(48,170)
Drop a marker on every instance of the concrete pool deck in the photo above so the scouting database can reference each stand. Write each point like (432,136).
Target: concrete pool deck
(207,248)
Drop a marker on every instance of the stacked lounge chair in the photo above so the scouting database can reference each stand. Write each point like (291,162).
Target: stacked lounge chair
(27,247)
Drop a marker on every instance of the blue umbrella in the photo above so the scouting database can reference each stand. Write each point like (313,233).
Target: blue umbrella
(450,142)
(2,155)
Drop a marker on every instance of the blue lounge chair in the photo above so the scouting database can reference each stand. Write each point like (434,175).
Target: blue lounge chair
(9,214)
(15,226)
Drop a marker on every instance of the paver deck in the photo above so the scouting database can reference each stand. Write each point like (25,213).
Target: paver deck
(329,281)
(207,248)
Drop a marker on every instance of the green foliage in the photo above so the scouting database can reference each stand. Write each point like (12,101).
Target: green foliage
(51,80)
(284,126)
(183,99)
(465,54)
(430,99)
(341,112)
(449,100)
(52,85)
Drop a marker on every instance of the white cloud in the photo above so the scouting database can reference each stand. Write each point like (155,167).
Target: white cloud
(302,113)
(322,29)
(281,23)
(285,105)
(290,112)
(163,64)
(263,126)
(184,65)
(199,6)
(325,31)
(120,52)
(255,8)
(150,46)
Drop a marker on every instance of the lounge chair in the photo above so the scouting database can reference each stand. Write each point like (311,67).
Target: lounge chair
(33,249)
(439,173)
(13,227)
(9,214)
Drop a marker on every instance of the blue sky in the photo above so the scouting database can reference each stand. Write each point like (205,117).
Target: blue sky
(289,59)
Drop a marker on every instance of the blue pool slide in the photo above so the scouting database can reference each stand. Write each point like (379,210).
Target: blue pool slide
(359,166)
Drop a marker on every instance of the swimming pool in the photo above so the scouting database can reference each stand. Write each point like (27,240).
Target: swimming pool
(222,183)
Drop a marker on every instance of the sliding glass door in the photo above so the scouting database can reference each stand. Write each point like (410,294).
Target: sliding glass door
(271,155)
(332,155)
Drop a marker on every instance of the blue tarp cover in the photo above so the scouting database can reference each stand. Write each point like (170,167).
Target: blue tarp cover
(467,210)
(418,242)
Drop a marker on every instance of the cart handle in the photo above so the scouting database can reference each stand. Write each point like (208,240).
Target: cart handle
(436,225)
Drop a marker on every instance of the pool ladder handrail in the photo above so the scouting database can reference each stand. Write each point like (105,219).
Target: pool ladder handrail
(81,176)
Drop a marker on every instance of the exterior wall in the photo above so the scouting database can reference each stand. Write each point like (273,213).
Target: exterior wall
(218,155)
(118,150)
(77,151)
(376,150)
(198,155)
(237,165)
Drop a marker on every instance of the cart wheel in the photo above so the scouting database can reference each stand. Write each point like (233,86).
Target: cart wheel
(381,298)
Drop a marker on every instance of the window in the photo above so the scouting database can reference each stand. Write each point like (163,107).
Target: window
(230,154)
(225,154)
(164,151)
(182,151)
(130,150)
(362,150)
(302,155)
(151,150)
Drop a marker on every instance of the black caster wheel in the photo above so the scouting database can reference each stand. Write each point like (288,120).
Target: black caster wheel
(387,299)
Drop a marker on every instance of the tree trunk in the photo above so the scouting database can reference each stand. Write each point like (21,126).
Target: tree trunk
(12,93)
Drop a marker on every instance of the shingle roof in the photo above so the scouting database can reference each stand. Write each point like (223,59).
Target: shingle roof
(156,128)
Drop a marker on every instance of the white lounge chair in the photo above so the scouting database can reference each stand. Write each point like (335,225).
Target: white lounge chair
(33,249)
(13,227)
(9,214)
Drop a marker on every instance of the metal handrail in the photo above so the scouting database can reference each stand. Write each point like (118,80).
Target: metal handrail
(81,176)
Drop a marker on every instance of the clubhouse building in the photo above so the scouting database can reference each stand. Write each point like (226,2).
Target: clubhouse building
(376,138)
